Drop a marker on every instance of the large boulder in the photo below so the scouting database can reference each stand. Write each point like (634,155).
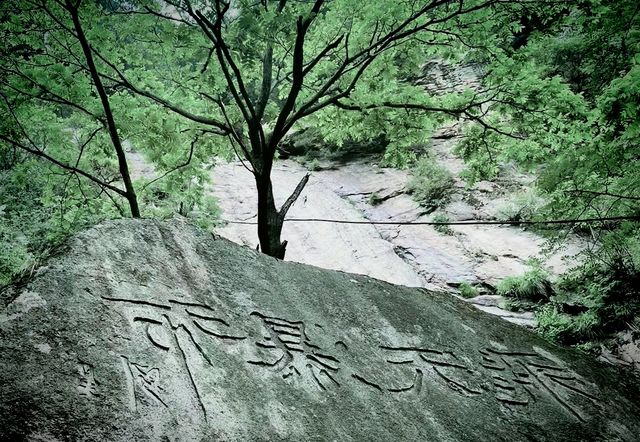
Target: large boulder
(144,330)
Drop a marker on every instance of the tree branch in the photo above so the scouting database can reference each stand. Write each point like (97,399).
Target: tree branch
(293,197)
(159,100)
(180,166)
(302,26)
(62,165)
(123,166)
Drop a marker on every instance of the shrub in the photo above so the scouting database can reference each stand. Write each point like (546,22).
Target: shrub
(442,228)
(375,199)
(518,305)
(430,184)
(533,285)
(467,290)
(594,302)
(522,206)
(552,324)
(569,329)
(15,256)
(600,297)
(313,165)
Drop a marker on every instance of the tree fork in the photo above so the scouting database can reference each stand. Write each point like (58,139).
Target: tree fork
(270,219)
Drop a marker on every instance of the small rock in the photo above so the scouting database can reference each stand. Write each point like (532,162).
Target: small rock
(487,300)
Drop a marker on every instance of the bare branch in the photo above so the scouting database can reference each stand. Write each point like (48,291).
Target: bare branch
(293,197)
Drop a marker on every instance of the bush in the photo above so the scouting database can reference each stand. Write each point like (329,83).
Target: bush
(552,324)
(599,298)
(518,305)
(442,228)
(313,165)
(596,307)
(430,184)
(533,285)
(375,199)
(467,290)
(569,329)
(522,206)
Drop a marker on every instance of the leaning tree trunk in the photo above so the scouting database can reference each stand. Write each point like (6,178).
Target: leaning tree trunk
(129,193)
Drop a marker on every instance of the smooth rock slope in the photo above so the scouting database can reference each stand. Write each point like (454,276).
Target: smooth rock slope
(144,330)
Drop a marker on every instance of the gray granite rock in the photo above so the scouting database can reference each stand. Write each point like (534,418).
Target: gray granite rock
(151,331)
(487,300)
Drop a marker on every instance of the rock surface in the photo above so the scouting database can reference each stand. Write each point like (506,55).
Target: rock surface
(143,330)
(413,255)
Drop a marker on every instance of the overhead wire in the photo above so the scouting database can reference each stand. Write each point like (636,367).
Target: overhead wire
(449,223)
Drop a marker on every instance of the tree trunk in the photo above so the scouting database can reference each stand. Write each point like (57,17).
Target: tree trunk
(270,220)
(110,121)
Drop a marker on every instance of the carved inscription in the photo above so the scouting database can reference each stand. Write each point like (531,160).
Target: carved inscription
(442,365)
(293,354)
(514,378)
(283,346)
(521,378)
(144,384)
(88,386)
(172,326)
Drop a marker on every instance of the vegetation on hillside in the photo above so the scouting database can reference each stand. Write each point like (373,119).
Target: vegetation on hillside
(431,183)
(573,120)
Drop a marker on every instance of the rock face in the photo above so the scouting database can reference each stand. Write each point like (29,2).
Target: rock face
(143,330)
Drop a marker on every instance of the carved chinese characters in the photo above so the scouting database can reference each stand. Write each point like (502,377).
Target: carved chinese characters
(282,349)
(294,353)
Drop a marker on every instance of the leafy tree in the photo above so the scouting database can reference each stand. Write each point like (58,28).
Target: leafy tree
(251,72)
(574,115)
(64,131)
(53,98)
(573,109)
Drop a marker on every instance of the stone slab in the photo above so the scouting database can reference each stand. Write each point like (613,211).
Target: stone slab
(157,331)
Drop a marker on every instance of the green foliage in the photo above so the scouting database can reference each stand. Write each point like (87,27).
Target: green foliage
(39,208)
(553,324)
(313,165)
(430,184)
(257,71)
(599,297)
(533,285)
(467,290)
(577,329)
(518,305)
(375,199)
(569,99)
(49,105)
(522,206)
(442,228)
(598,42)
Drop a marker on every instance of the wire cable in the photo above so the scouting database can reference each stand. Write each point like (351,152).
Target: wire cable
(449,223)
